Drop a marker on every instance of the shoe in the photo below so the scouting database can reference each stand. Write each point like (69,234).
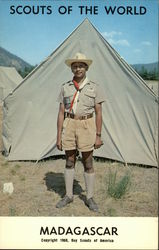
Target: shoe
(62,203)
(90,203)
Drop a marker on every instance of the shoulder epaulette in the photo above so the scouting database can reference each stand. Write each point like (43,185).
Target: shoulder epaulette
(93,82)
(66,82)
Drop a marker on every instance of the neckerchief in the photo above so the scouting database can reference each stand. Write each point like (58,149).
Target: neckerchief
(75,97)
(77,89)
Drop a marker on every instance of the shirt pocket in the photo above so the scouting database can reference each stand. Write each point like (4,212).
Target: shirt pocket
(89,99)
(67,101)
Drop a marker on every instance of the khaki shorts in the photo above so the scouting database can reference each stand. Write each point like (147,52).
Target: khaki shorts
(79,134)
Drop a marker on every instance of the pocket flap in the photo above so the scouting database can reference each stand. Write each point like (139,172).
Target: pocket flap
(90,94)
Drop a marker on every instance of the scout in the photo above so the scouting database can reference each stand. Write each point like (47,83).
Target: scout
(77,129)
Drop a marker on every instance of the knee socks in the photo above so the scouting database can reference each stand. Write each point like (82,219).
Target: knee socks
(89,182)
(69,177)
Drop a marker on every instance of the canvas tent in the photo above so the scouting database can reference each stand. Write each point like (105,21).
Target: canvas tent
(154,86)
(129,113)
(9,79)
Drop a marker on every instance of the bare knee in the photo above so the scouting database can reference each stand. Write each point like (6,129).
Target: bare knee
(70,159)
(88,165)
(70,163)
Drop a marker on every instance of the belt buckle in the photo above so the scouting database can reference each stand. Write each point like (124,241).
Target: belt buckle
(83,117)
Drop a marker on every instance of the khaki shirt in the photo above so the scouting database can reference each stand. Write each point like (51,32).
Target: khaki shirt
(88,96)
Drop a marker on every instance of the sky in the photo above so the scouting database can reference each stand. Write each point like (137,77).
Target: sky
(33,37)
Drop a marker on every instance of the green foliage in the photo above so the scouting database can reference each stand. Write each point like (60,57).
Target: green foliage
(12,211)
(22,178)
(26,71)
(13,171)
(111,212)
(17,166)
(148,75)
(118,189)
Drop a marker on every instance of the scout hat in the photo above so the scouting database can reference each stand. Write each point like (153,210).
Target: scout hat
(79,57)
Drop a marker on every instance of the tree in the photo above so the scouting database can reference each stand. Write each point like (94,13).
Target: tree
(26,71)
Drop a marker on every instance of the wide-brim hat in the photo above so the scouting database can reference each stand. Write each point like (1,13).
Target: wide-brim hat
(79,57)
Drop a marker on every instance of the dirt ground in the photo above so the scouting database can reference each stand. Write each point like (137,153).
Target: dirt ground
(39,186)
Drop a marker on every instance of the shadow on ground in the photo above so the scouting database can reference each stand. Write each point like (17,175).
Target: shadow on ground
(55,182)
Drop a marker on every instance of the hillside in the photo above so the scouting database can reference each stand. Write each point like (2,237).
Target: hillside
(148,66)
(10,60)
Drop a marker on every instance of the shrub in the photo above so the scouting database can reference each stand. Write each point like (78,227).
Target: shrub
(118,189)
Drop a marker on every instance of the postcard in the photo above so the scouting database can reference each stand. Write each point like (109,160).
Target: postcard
(79,124)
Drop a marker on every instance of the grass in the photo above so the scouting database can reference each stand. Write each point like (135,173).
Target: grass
(111,212)
(22,178)
(13,171)
(118,189)
(5,164)
(17,166)
(12,211)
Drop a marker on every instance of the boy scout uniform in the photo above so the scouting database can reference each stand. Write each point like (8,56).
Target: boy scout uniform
(79,129)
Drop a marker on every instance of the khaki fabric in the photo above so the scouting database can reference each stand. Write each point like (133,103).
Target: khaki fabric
(88,96)
(79,134)
(130,112)
(9,79)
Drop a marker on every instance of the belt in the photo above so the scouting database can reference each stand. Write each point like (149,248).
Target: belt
(78,117)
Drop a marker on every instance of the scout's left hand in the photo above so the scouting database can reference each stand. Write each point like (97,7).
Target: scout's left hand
(98,142)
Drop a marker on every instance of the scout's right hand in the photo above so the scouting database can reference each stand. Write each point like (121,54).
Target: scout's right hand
(59,144)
